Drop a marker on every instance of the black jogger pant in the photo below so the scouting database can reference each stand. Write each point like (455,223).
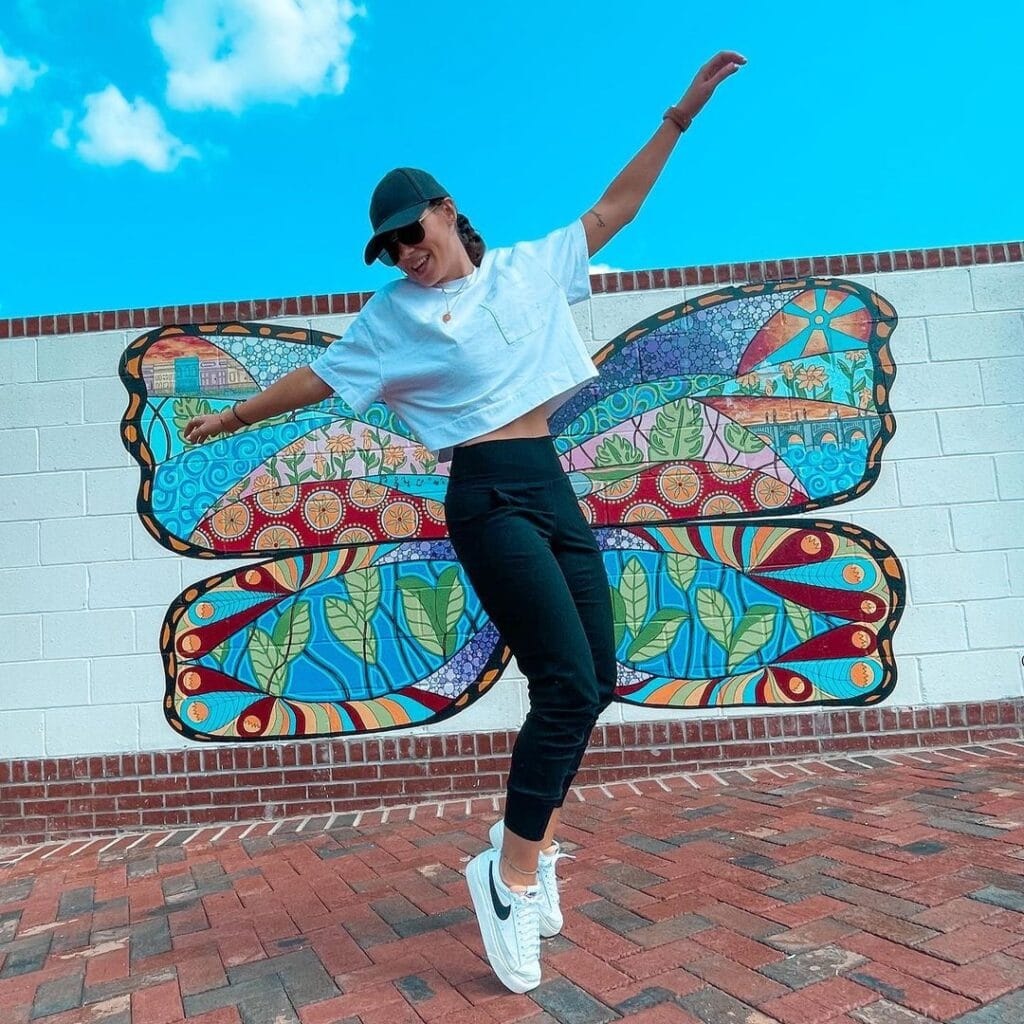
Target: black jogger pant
(535,565)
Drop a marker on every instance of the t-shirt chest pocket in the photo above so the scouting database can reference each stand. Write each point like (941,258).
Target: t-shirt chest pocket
(514,309)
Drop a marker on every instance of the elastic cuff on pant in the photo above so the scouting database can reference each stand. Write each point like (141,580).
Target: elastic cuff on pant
(527,817)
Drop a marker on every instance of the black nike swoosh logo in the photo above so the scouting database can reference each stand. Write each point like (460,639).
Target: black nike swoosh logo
(501,909)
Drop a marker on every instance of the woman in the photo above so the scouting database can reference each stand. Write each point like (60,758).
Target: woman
(474,349)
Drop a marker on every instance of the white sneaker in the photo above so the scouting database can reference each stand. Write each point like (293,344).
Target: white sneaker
(509,923)
(548,907)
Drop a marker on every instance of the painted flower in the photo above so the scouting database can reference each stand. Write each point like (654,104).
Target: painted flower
(857,355)
(769,387)
(811,377)
(366,440)
(749,380)
(422,454)
(787,371)
(341,444)
(393,456)
(864,398)
(319,464)
(295,448)
(262,482)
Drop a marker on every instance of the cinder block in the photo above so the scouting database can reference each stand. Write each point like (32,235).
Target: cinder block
(1010,475)
(937,386)
(302,322)
(38,405)
(19,545)
(32,496)
(110,491)
(44,684)
(1000,286)
(147,624)
(927,292)
(1002,380)
(21,637)
(976,336)
(111,729)
(17,361)
(126,679)
(909,342)
(127,584)
(909,531)
(88,634)
(85,446)
(21,734)
(43,588)
(970,675)
(104,400)
(90,539)
(949,480)
(503,703)
(581,314)
(983,429)
(969,576)
(19,451)
(995,623)
(1015,570)
(145,545)
(80,356)
(334,324)
(931,629)
(917,437)
(611,314)
(908,683)
(156,734)
(987,526)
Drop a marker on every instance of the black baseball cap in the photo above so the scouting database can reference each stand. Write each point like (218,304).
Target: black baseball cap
(400,198)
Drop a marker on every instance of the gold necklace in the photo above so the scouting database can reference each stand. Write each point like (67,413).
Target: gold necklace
(448,308)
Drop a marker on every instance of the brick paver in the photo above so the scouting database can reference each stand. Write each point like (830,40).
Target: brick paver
(879,890)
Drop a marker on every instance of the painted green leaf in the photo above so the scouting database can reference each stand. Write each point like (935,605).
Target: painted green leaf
(682,569)
(418,603)
(716,615)
(618,616)
(677,431)
(657,636)
(345,623)
(364,589)
(800,619)
(742,439)
(451,600)
(635,594)
(293,630)
(617,451)
(755,629)
(220,652)
(266,660)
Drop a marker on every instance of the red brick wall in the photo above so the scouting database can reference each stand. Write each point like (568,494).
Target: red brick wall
(60,797)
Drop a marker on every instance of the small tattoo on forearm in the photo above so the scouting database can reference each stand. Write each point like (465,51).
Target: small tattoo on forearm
(600,221)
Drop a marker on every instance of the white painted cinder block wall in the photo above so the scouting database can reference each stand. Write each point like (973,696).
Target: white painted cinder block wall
(83,588)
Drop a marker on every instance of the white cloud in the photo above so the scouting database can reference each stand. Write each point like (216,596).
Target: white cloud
(604,268)
(228,54)
(17,73)
(114,131)
(61,137)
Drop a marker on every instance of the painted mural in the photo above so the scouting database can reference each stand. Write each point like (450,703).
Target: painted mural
(709,421)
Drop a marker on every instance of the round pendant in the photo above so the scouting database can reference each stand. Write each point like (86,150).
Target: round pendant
(446,317)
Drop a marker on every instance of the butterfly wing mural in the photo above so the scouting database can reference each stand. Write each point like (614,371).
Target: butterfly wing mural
(743,404)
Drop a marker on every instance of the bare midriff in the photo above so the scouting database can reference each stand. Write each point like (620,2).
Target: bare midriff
(530,424)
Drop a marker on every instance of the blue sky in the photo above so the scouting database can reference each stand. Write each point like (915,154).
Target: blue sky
(156,152)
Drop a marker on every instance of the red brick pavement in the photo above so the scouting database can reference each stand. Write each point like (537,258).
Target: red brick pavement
(876,890)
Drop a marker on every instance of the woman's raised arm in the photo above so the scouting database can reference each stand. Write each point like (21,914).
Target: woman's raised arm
(624,196)
(294,390)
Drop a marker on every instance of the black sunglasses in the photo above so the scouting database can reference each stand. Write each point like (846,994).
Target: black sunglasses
(408,234)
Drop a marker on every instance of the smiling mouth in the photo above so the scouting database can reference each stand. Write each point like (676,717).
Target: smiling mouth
(416,268)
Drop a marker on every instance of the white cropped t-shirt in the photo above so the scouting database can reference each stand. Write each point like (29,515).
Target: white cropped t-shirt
(511,344)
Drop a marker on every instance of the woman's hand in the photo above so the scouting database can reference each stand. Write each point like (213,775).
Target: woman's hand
(717,70)
(202,428)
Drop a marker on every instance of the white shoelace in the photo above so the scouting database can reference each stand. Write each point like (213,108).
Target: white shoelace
(525,913)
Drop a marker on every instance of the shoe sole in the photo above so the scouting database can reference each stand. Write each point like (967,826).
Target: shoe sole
(545,933)
(481,904)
